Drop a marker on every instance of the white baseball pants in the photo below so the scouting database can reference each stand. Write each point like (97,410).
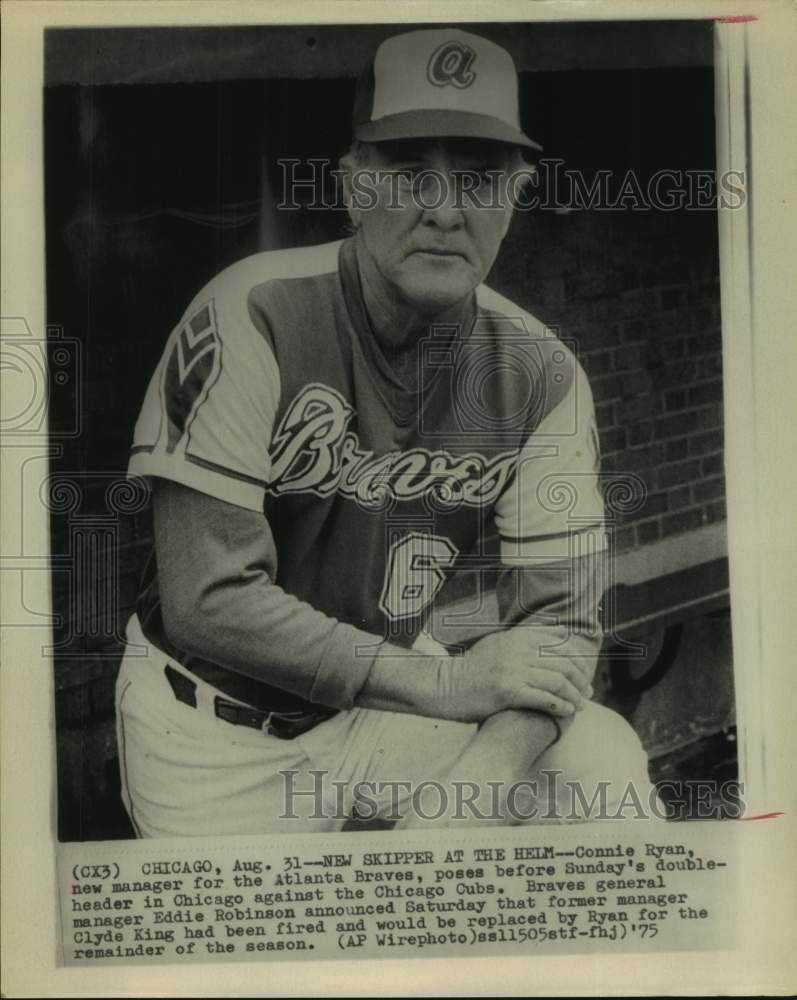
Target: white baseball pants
(185,772)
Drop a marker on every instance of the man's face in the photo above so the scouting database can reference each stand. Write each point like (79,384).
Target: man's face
(428,240)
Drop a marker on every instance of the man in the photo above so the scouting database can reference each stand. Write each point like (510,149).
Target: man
(331,433)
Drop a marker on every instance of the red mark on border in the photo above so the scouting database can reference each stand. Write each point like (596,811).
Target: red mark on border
(735,19)
(762,816)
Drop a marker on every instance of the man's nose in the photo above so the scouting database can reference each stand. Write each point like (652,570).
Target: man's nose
(442,207)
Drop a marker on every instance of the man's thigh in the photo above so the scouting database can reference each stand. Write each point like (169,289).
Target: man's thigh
(374,762)
(185,772)
(599,759)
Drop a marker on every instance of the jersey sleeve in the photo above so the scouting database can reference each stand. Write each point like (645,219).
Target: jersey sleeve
(552,509)
(208,413)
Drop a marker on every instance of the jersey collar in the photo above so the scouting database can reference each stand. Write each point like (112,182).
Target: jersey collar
(360,321)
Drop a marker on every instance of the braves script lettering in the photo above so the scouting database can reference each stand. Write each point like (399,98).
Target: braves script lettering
(313,452)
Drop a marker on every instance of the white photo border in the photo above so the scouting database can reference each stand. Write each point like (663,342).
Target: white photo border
(754,70)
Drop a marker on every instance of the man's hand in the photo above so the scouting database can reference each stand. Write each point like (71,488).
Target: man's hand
(504,670)
(507,670)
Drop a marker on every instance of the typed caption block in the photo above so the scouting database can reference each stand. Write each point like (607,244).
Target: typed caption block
(565,889)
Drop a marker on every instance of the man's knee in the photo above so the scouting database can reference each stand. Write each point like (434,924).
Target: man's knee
(599,745)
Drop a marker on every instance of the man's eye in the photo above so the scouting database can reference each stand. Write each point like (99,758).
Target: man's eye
(407,175)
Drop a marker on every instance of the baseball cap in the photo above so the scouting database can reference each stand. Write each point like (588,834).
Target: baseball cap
(439,83)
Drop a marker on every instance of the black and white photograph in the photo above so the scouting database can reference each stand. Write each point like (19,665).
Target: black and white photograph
(393,429)
(395,374)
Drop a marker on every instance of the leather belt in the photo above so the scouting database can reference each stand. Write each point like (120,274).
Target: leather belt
(282,725)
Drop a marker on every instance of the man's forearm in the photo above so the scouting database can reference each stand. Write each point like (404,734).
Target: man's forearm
(490,775)
(401,681)
(524,735)
(219,602)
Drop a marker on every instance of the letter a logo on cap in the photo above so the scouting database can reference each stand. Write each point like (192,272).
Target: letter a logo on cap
(451,63)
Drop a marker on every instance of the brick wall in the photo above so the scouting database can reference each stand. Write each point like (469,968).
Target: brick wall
(638,293)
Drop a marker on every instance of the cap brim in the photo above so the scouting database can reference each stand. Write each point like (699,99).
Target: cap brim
(441,125)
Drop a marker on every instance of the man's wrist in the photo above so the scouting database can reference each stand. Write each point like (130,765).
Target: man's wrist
(412,681)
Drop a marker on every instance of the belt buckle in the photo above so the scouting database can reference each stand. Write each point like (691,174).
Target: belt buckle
(286,725)
(271,726)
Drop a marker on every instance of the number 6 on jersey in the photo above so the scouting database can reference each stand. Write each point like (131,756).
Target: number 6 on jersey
(415,573)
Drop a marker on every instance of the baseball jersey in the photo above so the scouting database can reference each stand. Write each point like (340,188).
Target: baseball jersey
(272,394)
